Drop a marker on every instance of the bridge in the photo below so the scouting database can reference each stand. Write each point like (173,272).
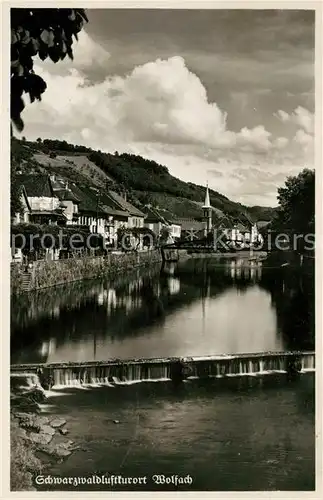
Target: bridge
(116,371)
(170,251)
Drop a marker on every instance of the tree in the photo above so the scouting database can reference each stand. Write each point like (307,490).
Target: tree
(296,210)
(42,32)
(15,194)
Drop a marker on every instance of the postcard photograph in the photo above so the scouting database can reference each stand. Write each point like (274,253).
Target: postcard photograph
(162,264)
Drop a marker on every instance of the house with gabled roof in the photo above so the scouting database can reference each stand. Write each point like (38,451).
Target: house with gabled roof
(68,200)
(22,216)
(135,216)
(88,207)
(154,220)
(43,205)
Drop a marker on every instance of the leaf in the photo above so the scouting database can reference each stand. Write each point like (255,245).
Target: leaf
(83,14)
(26,83)
(42,54)
(26,61)
(54,54)
(20,70)
(14,64)
(16,106)
(25,39)
(14,56)
(44,36)
(72,15)
(51,39)
(33,46)
(18,123)
(14,37)
(70,54)
(80,22)
(17,85)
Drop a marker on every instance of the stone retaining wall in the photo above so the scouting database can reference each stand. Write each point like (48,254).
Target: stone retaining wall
(45,274)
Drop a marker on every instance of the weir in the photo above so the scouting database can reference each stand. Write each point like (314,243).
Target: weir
(117,372)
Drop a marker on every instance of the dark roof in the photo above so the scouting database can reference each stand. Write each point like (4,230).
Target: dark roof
(36,185)
(89,202)
(262,223)
(153,215)
(120,202)
(108,206)
(95,202)
(67,195)
(188,224)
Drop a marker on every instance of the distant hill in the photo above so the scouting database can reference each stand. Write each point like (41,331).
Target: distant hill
(144,181)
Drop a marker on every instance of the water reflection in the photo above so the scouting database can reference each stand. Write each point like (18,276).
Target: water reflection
(197,308)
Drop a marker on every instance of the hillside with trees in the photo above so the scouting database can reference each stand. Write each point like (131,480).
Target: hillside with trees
(145,182)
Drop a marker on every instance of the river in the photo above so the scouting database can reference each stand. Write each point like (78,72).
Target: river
(196,308)
(229,435)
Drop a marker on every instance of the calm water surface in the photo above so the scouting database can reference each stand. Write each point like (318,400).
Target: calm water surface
(197,308)
(231,435)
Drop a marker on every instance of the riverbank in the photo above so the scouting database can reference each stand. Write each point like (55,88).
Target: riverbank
(46,274)
(36,440)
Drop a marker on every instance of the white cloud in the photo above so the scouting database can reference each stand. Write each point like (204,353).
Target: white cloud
(280,142)
(284,117)
(304,119)
(305,140)
(300,117)
(87,55)
(161,110)
(158,101)
(257,137)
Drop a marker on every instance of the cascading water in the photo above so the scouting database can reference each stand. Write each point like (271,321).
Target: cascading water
(127,373)
(24,380)
(134,371)
(308,363)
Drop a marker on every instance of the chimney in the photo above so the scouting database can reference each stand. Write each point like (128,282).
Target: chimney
(125,195)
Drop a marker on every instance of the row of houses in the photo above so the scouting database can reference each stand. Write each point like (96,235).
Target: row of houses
(55,200)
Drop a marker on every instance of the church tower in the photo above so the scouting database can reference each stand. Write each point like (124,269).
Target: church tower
(207,212)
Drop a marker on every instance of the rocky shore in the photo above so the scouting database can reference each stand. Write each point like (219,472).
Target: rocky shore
(37,439)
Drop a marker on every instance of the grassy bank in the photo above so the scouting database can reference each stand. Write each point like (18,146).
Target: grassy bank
(24,464)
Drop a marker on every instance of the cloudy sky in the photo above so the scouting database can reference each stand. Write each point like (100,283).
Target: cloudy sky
(224,96)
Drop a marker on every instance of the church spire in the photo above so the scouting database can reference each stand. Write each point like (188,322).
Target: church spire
(207,198)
